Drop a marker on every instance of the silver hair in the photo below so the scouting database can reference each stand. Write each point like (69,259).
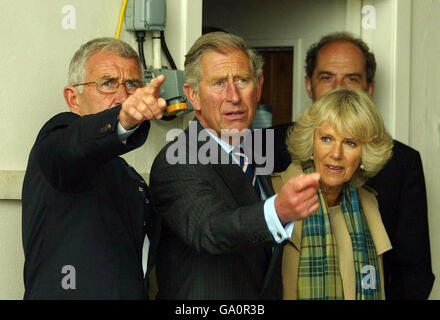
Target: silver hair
(221,42)
(77,68)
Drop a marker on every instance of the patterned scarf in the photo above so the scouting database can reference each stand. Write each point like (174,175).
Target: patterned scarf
(319,277)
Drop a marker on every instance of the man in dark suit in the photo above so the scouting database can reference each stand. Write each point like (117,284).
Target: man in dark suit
(219,238)
(342,60)
(85,210)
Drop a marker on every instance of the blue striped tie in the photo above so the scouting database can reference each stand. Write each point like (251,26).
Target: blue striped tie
(248,169)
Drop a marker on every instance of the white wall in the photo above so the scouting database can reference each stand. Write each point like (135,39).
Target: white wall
(425,112)
(36,51)
(11,250)
(406,42)
(297,23)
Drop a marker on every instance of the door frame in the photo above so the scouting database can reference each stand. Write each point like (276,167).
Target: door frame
(391,43)
(298,76)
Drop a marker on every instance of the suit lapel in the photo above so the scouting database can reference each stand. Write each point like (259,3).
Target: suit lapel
(135,213)
(236,181)
(244,194)
(266,185)
(274,254)
(231,174)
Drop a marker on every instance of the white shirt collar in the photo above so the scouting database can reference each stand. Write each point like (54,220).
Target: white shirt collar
(228,148)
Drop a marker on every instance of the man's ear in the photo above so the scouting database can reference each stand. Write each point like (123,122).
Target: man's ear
(308,83)
(192,96)
(371,88)
(71,96)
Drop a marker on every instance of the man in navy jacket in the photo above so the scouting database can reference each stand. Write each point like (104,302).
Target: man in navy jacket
(86,212)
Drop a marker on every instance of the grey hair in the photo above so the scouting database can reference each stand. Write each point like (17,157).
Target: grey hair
(220,42)
(351,114)
(77,68)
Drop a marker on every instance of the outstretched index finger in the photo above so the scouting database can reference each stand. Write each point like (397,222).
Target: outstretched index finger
(155,83)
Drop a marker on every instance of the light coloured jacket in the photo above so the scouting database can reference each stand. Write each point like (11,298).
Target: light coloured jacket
(291,253)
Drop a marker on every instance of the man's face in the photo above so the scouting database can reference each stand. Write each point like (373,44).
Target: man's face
(228,94)
(104,66)
(339,64)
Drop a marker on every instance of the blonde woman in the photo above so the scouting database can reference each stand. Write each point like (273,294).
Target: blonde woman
(337,252)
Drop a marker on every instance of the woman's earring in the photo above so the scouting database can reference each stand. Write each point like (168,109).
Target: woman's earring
(311,157)
(362,167)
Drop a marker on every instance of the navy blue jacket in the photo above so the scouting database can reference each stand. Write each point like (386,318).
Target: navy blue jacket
(84,208)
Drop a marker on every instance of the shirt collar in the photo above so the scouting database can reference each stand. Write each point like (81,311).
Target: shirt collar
(228,148)
(225,146)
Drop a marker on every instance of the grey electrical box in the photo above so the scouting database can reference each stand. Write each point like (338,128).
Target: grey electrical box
(171,90)
(145,15)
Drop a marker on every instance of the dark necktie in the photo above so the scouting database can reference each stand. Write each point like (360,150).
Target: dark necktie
(248,168)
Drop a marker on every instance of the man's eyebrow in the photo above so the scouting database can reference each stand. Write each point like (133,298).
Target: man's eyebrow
(345,75)
(217,78)
(326,72)
(108,77)
(354,74)
(243,74)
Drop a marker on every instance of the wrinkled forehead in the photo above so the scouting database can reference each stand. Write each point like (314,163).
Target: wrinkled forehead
(341,57)
(225,62)
(106,64)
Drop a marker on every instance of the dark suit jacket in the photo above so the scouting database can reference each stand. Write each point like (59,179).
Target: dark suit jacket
(214,243)
(402,203)
(83,207)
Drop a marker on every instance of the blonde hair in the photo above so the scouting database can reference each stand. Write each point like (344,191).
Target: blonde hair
(348,112)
